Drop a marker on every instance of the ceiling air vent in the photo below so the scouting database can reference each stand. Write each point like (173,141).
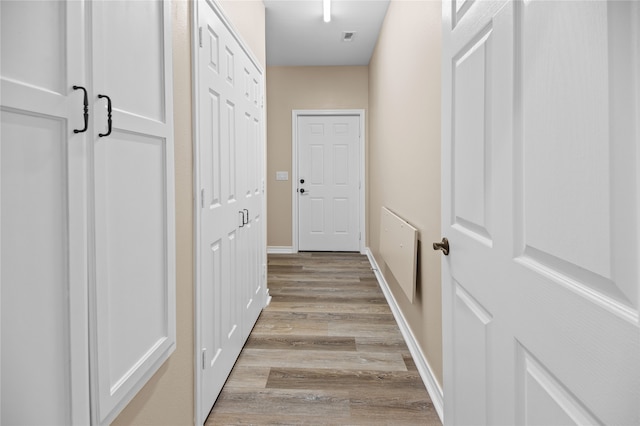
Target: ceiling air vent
(348,35)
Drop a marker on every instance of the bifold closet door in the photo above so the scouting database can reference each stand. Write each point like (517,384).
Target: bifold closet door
(250,178)
(132,186)
(230,220)
(44,344)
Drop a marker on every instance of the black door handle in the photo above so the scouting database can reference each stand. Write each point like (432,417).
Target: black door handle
(108,116)
(243,222)
(86,109)
(302,190)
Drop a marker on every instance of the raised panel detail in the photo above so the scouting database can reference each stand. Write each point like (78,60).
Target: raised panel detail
(340,164)
(542,399)
(215,292)
(47,69)
(231,144)
(256,156)
(230,296)
(231,67)
(139,89)
(247,84)
(317,164)
(256,91)
(214,51)
(35,279)
(471,138)
(459,9)
(471,335)
(317,215)
(131,247)
(340,129)
(340,215)
(565,228)
(317,129)
(215,149)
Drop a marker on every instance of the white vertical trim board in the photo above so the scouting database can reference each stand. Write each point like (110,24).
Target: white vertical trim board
(294,169)
(426,373)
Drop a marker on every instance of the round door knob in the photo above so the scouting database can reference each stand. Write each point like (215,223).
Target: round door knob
(302,190)
(301,180)
(444,246)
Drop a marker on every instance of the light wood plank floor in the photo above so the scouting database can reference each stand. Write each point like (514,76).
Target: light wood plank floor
(326,350)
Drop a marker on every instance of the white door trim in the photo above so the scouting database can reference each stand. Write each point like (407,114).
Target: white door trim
(195,43)
(294,169)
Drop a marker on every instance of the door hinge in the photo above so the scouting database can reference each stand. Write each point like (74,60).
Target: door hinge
(204,358)
(200,36)
(202,198)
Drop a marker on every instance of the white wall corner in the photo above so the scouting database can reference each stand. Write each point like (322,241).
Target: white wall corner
(426,373)
(280,250)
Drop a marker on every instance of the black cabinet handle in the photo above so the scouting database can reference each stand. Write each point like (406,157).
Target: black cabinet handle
(240,211)
(109,123)
(86,110)
(243,222)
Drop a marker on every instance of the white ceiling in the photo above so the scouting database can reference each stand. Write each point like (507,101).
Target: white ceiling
(297,34)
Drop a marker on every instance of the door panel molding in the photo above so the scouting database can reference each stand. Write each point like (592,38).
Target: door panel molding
(295,114)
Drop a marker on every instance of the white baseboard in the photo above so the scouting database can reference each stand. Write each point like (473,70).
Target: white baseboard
(426,373)
(280,250)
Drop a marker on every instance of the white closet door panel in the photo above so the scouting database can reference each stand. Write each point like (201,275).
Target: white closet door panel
(133,184)
(35,274)
(131,243)
(43,250)
(44,67)
(133,76)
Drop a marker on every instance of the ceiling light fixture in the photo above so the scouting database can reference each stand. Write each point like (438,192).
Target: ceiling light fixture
(326,7)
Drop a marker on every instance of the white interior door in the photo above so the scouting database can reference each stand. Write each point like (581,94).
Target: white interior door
(328,183)
(540,205)
(132,187)
(250,174)
(220,214)
(230,176)
(44,362)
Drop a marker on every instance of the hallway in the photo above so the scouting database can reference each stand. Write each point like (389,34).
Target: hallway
(326,350)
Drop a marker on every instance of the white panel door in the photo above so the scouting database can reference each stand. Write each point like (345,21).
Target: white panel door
(231,229)
(44,361)
(328,183)
(133,201)
(250,175)
(541,121)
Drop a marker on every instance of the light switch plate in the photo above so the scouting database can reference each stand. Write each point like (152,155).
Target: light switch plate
(282,175)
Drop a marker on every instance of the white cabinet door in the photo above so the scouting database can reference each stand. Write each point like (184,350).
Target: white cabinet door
(328,183)
(44,361)
(541,288)
(132,188)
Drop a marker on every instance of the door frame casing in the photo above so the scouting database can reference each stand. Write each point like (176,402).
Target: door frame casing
(196,141)
(295,114)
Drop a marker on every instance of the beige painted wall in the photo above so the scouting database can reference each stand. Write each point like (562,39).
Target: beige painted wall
(290,88)
(404,153)
(168,398)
